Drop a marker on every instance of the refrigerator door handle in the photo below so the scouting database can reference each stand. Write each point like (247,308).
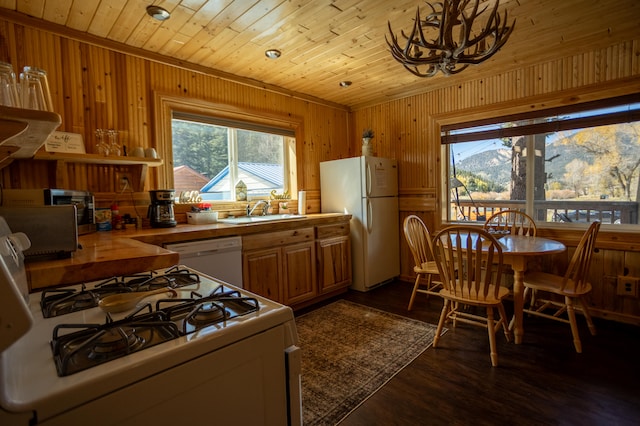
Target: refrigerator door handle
(369,216)
(367,169)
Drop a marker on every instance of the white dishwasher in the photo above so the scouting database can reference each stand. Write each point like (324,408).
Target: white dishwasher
(220,258)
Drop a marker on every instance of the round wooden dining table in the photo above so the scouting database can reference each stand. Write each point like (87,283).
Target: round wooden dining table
(516,250)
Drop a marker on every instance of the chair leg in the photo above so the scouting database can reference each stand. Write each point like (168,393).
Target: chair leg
(503,319)
(443,316)
(572,322)
(430,285)
(587,315)
(492,337)
(413,293)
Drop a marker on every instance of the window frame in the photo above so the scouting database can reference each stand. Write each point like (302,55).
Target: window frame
(166,105)
(500,113)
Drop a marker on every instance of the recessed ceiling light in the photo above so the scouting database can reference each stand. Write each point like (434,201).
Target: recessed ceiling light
(272,53)
(345,83)
(159,13)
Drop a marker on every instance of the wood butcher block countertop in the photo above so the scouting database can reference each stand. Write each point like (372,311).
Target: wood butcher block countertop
(106,254)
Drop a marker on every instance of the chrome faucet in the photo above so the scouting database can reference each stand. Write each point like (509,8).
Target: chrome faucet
(265,209)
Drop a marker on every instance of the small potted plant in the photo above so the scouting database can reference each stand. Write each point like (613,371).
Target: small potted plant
(367,135)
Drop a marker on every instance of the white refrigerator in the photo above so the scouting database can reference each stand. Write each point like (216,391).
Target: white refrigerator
(366,188)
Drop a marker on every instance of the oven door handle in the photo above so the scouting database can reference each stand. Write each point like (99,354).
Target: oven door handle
(293,363)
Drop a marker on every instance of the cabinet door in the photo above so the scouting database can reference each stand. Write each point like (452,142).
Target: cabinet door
(334,263)
(299,272)
(262,272)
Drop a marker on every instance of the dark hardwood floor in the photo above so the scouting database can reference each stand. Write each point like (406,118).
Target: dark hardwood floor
(540,382)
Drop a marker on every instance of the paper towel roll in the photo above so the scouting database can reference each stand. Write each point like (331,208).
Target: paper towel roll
(302,202)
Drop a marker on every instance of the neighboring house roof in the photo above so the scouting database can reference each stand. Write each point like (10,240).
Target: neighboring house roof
(256,176)
(187,179)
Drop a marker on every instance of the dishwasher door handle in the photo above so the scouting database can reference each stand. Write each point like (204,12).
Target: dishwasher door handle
(203,252)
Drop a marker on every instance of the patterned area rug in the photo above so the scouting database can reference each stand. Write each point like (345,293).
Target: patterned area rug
(348,352)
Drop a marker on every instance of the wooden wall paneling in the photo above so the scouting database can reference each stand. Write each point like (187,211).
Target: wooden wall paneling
(61,175)
(92,96)
(120,96)
(604,288)
(635,59)
(631,305)
(71,89)
(138,99)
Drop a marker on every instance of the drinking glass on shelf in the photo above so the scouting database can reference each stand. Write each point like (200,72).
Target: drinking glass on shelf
(114,145)
(9,87)
(35,89)
(102,147)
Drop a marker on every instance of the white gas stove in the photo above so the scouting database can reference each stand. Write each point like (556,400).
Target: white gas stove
(206,351)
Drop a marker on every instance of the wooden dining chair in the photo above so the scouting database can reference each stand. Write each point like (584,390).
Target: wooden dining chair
(419,240)
(512,222)
(470,263)
(572,287)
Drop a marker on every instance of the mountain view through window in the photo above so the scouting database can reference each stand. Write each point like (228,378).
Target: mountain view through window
(576,174)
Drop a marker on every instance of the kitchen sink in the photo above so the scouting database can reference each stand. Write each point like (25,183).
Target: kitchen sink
(242,220)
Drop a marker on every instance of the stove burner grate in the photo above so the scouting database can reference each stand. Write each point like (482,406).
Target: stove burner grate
(94,344)
(56,302)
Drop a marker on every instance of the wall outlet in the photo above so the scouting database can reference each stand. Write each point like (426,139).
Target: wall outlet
(627,286)
(123,181)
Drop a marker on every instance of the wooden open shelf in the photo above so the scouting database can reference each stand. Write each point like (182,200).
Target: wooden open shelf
(24,131)
(140,164)
(98,159)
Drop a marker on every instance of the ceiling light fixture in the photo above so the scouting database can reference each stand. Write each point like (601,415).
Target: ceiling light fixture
(345,83)
(272,53)
(159,13)
(453,44)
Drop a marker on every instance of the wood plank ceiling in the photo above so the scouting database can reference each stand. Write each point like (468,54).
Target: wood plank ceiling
(324,42)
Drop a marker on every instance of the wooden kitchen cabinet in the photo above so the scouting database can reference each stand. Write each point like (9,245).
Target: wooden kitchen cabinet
(280,265)
(334,257)
(262,272)
(299,266)
(299,272)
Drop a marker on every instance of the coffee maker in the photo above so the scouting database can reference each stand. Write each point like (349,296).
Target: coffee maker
(160,210)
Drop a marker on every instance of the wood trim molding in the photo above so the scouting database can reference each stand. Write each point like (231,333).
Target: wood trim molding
(594,92)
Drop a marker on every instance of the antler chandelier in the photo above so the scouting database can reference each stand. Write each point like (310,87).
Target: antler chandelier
(445,52)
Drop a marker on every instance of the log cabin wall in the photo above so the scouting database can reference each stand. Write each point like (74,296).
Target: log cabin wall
(408,129)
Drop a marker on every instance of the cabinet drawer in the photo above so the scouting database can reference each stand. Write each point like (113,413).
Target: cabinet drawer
(274,239)
(332,231)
